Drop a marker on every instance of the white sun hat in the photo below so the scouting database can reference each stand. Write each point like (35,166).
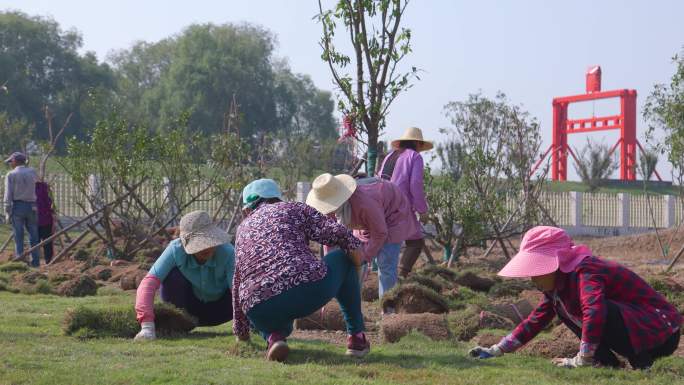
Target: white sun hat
(329,192)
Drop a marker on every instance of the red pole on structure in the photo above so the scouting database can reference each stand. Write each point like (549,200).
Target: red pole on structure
(628,135)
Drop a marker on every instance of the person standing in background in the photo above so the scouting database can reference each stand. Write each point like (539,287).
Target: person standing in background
(46,210)
(20,204)
(404,167)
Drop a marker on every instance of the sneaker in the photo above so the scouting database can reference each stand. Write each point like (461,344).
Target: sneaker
(357,345)
(277,348)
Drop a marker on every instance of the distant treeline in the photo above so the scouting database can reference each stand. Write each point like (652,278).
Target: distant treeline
(194,74)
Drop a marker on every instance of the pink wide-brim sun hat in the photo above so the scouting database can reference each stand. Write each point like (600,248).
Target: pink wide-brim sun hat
(543,250)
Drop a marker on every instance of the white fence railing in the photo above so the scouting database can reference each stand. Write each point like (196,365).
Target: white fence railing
(580,213)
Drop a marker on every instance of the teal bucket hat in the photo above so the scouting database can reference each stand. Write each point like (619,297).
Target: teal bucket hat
(260,189)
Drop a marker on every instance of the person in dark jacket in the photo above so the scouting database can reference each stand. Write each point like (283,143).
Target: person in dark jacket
(45,217)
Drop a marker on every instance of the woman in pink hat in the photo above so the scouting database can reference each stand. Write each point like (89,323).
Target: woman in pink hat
(609,307)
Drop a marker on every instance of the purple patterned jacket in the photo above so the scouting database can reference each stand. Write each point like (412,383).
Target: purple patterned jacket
(272,254)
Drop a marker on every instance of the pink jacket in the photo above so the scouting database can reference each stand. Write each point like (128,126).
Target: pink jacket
(383,211)
(408,175)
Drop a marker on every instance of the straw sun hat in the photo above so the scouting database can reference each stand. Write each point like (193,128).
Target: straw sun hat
(198,232)
(416,135)
(329,192)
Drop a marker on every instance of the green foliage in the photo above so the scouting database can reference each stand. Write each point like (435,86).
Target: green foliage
(14,133)
(648,161)
(201,69)
(595,164)
(664,110)
(493,146)
(454,211)
(371,78)
(41,65)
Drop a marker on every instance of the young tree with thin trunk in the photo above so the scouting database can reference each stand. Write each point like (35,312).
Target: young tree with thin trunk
(371,77)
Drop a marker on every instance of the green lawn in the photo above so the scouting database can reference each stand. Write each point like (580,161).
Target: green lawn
(34,350)
(636,189)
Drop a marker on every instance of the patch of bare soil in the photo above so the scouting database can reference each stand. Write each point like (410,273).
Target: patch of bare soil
(395,326)
(330,318)
(561,342)
(515,311)
(489,320)
(486,339)
(369,290)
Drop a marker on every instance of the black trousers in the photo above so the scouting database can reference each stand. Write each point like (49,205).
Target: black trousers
(616,339)
(44,232)
(176,289)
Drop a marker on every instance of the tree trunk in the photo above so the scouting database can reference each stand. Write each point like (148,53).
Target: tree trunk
(372,150)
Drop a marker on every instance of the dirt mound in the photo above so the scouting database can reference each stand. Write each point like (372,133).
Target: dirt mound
(514,311)
(425,281)
(436,271)
(474,281)
(329,317)
(100,273)
(561,342)
(78,287)
(396,326)
(131,279)
(638,248)
(489,320)
(32,277)
(413,299)
(510,288)
(464,324)
(534,297)
(487,339)
(369,291)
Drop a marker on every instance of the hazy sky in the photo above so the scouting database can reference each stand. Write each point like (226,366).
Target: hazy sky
(531,50)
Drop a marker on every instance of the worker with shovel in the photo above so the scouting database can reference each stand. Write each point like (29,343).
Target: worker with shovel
(609,307)
(377,207)
(195,273)
(278,278)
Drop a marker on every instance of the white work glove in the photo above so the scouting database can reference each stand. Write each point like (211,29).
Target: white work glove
(146,332)
(8,218)
(482,352)
(574,362)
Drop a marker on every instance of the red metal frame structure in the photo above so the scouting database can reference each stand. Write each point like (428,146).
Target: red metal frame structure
(625,122)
